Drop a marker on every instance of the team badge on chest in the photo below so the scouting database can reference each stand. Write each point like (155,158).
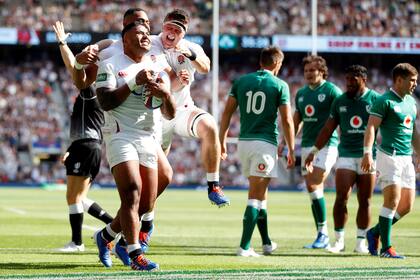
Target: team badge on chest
(181,59)
(321,97)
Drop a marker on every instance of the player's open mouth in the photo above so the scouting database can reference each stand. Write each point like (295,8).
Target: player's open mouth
(170,38)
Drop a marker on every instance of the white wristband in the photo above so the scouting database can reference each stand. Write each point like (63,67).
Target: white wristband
(78,66)
(367,150)
(132,84)
(314,150)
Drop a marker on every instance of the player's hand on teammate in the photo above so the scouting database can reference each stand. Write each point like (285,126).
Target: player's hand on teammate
(308,162)
(89,55)
(184,77)
(61,35)
(367,163)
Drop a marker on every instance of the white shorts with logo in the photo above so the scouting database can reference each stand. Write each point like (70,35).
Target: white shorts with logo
(353,164)
(324,159)
(180,125)
(122,147)
(398,170)
(258,158)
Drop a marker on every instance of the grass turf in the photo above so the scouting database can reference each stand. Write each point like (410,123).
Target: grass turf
(194,240)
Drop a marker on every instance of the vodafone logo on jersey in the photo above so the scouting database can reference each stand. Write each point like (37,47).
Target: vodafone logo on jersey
(356,122)
(309,110)
(407,121)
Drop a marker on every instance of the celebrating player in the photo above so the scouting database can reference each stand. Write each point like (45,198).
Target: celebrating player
(123,82)
(350,111)
(259,95)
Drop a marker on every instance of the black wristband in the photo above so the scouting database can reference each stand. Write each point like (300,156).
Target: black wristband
(193,55)
(62,43)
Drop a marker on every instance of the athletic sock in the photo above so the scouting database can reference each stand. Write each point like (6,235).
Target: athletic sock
(361,233)
(249,221)
(134,250)
(314,215)
(212,180)
(108,234)
(96,211)
(376,231)
(385,226)
(147,221)
(339,234)
(320,210)
(262,223)
(76,222)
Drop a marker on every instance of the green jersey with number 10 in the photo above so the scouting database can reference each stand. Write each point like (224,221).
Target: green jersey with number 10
(259,96)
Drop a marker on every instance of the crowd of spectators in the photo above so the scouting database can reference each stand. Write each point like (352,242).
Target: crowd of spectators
(29,114)
(399,18)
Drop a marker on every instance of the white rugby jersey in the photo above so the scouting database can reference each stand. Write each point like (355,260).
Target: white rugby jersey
(178,61)
(131,116)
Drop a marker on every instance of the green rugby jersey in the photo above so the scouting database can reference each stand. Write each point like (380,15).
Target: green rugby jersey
(398,116)
(352,115)
(259,95)
(314,107)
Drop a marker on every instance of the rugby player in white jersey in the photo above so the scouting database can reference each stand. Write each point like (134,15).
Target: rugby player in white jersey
(123,82)
(186,58)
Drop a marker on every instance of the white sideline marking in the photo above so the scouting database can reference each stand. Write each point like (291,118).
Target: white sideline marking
(90,227)
(15,210)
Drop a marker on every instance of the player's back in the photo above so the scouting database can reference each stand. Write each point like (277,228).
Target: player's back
(259,96)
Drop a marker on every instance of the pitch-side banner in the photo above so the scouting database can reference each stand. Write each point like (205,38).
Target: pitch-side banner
(349,44)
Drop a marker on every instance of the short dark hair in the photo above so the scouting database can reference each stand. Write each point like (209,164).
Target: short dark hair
(357,70)
(403,70)
(132,11)
(271,55)
(319,61)
(179,17)
(134,24)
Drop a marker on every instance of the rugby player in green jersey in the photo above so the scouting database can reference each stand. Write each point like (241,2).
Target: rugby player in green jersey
(313,103)
(350,111)
(260,96)
(394,113)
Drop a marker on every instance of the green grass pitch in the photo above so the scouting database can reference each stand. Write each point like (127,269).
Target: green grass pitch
(194,240)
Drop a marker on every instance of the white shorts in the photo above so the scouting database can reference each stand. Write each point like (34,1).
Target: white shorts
(324,159)
(398,170)
(181,125)
(353,164)
(258,158)
(121,147)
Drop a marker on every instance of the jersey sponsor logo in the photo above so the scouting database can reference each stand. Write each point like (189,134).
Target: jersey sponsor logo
(122,74)
(407,121)
(356,122)
(343,109)
(309,110)
(321,97)
(101,77)
(181,59)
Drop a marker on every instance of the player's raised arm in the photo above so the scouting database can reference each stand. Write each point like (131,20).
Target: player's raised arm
(230,108)
(198,58)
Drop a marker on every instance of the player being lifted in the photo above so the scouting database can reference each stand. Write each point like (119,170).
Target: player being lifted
(313,103)
(350,111)
(394,113)
(185,58)
(260,96)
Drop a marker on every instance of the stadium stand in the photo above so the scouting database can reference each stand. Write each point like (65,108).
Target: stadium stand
(356,18)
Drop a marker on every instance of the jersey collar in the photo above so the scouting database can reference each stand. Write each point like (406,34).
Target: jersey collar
(393,91)
(318,86)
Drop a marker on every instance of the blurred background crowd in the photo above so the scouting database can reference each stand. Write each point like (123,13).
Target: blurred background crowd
(37,94)
(389,18)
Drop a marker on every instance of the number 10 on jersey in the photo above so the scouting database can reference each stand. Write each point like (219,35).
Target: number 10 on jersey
(255,99)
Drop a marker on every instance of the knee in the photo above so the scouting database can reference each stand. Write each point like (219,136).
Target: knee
(341,199)
(207,129)
(364,203)
(130,198)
